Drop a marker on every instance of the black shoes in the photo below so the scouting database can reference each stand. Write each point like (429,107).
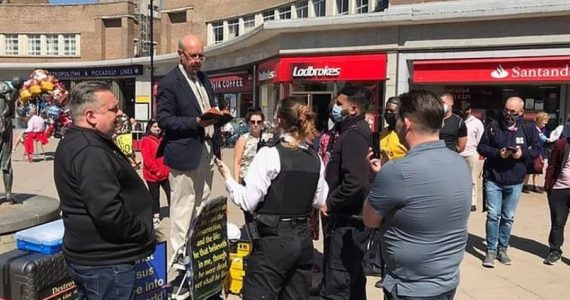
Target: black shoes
(473,208)
(553,257)
(526,189)
(532,188)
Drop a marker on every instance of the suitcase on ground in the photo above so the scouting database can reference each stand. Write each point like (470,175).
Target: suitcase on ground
(26,275)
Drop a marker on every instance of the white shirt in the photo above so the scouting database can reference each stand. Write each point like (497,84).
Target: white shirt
(263,169)
(36,124)
(201,96)
(475,131)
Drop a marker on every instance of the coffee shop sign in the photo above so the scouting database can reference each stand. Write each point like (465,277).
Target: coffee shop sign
(236,82)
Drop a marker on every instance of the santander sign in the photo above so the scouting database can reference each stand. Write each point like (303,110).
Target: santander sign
(518,72)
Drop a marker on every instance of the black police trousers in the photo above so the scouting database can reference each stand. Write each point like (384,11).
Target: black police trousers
(280,266)
(343,272)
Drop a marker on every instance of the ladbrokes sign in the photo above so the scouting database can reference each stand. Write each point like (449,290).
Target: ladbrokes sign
(539,69)
(311,71)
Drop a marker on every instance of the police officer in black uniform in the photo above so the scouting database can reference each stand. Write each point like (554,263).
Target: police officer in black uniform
(282,185)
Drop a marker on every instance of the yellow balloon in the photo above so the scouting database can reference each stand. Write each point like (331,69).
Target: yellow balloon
(25,95)
(35,90)
(47,86)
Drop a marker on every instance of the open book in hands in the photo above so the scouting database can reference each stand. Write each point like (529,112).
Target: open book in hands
(215,114)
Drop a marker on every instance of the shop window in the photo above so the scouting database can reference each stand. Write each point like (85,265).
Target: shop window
(285,12)
(177,17)
(233,28)
(320,7)
(302,9)
(361,6)
(52,43)
(268,15)
(248,23)
(11,44)
(218,29)
(34,44)
(342,7)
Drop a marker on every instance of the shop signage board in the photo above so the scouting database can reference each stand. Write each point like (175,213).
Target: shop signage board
(324,68)
(235,83)
(99,72)
(495,70)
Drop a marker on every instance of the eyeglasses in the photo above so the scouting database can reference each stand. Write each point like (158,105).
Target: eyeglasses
(195,56)
(254,122)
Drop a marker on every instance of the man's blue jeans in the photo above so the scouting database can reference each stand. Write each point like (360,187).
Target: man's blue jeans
(502,201)
(104,282)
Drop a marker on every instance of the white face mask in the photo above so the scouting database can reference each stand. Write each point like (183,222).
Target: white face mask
(445,108)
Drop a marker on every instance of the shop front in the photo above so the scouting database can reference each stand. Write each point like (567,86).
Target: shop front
(317,79)
(234,91)
(541,82)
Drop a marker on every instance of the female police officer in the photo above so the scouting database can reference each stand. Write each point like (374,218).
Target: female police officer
(283,183)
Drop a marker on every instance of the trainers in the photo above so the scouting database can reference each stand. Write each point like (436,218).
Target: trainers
(180,293)
(503,258)
(489,261)
(526,189)
(552,257)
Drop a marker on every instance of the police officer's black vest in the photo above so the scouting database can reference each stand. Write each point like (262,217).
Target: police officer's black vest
(291,193)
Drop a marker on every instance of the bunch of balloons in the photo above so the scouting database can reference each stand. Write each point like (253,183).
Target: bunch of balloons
(49,96)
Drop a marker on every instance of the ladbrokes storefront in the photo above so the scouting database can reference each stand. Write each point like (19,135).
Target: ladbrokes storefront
(540,81)
(317,79)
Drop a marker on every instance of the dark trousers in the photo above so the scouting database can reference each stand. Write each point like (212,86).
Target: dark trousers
(280,266)
(559,203)
(104,282)
(445,296)
(343,270)
(154,190)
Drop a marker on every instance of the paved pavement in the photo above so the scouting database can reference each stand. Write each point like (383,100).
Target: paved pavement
(527,278)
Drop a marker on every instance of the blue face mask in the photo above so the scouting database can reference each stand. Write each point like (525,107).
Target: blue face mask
(336,114)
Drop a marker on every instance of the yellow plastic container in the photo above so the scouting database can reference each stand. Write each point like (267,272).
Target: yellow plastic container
(238,255)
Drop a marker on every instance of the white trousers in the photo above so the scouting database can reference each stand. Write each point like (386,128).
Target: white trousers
(475,166)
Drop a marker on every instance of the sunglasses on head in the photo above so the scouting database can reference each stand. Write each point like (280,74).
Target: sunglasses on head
(254,122)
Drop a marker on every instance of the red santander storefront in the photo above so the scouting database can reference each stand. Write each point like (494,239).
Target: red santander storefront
(486,83)
(317,79)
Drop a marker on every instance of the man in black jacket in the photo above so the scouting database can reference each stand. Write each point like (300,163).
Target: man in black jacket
(348,177)
(106,208)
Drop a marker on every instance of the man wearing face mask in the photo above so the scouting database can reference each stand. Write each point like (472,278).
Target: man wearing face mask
(475,131)
(507,144)
(390,144)
(453,131)
(347,175)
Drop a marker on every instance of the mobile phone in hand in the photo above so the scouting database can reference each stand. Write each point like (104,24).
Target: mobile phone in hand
(375,145)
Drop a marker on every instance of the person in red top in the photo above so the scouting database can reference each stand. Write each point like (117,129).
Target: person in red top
(155,172)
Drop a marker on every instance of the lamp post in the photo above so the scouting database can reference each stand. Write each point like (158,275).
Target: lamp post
(152,54)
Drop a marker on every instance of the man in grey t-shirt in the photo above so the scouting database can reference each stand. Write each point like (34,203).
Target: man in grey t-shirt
(421,204)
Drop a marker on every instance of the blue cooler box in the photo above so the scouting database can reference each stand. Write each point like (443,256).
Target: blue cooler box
(46,238)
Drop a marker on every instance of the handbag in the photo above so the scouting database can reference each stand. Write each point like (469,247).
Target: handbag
(538,164)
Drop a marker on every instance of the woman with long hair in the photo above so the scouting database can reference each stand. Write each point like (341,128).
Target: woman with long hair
(155,172)
(246,145)
(283,183)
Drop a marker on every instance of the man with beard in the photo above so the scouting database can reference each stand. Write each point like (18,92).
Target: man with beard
(507,144)
(475,131)
(348,176)
(422,218)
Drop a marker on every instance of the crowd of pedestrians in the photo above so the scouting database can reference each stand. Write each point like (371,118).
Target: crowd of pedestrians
(286,181)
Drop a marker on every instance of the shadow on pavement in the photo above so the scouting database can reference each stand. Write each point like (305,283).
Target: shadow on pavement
(533,247)
(475,242)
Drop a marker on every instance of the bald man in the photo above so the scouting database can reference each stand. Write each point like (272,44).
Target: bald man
(189,143)
(508,144)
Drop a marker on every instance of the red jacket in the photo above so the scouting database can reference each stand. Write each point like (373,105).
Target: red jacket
(154,169)
(556,161)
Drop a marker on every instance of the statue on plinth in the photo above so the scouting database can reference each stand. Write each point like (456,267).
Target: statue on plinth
(8,96)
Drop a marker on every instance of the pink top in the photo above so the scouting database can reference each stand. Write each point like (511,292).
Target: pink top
(36,124)
(563,181)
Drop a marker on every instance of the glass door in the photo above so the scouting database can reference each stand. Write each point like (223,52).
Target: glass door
(320,102)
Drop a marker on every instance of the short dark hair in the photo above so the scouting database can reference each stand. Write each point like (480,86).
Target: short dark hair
(447,94)
(254,113)
(394,100)
(464,105)
(424,109)
(357,95)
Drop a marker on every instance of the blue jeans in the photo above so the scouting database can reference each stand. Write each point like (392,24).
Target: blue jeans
(502,201)
(104,282)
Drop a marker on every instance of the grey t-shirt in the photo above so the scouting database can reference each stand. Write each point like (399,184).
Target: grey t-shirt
(425,199)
